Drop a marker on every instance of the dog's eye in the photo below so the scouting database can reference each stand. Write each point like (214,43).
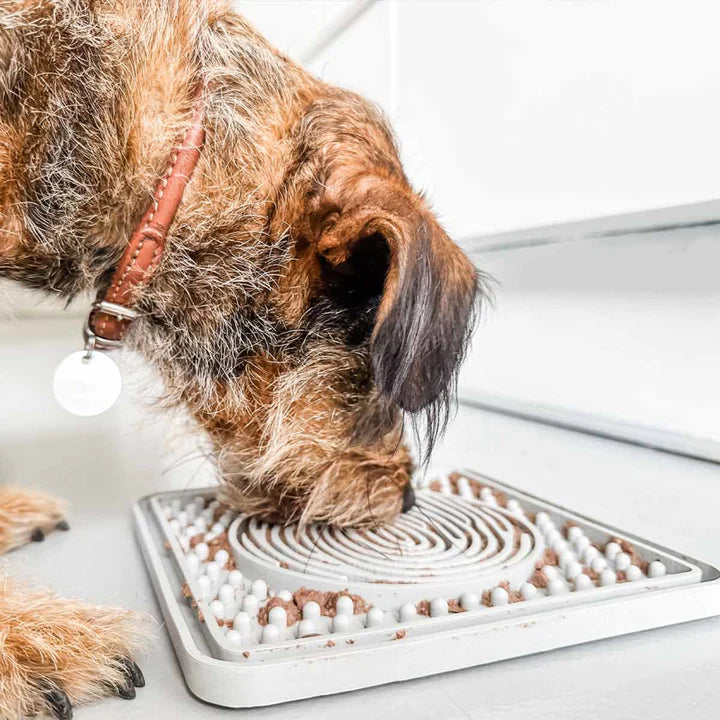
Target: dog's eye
(329,222)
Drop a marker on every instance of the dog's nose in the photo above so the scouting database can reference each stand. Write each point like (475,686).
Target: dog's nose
(408,498)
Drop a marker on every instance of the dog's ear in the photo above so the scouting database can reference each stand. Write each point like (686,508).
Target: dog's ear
(426,315)
(386,245)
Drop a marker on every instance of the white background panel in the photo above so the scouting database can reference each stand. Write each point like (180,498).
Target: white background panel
(625,328)
(530,113)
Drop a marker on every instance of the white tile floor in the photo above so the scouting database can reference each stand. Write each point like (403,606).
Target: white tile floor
(102,467)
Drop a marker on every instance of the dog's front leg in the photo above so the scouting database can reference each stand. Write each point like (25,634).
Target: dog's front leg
(56,653)
(28,515)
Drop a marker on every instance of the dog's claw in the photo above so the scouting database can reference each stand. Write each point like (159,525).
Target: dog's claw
(134,673)
(37,535)
(133,678)
(59,703)
(126,691)
(63,525)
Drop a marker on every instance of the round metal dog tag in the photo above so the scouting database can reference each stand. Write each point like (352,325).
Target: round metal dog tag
(87,385)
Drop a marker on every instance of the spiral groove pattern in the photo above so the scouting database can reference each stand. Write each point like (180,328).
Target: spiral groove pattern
(446,542)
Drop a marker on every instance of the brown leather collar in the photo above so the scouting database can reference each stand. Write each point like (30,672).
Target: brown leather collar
(111,316)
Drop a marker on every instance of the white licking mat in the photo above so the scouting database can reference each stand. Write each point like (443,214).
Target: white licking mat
(446,545)
(476,572)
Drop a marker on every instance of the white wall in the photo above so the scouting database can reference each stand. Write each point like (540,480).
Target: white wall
(537,112)
(627,329)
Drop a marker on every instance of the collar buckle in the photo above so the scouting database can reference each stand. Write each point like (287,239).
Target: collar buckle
(93,341)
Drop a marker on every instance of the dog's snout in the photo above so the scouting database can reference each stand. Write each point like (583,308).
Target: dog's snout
(408,498)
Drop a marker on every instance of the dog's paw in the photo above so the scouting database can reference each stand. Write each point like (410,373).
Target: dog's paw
(57,653)
(27,516)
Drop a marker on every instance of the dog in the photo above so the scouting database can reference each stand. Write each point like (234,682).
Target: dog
(306,303)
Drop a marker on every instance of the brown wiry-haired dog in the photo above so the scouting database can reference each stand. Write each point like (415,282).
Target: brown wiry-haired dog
(306,299)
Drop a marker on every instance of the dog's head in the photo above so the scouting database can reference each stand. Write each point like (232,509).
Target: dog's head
(377,303)
(328,305)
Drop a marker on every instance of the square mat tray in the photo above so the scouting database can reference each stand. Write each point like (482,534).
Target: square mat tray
(477,572)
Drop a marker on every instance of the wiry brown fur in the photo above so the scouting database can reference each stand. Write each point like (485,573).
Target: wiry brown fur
(307,299)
